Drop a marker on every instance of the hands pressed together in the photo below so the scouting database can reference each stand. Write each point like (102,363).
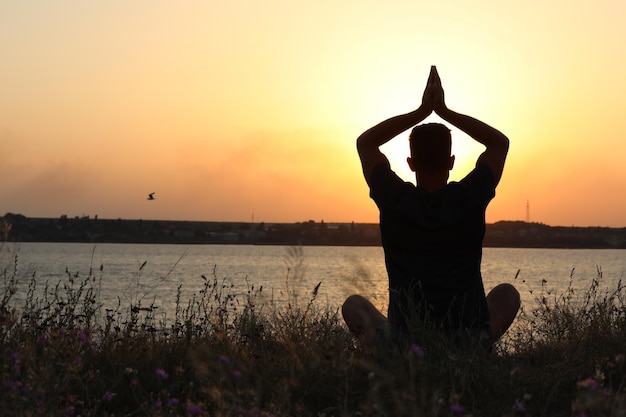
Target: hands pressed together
(433,98)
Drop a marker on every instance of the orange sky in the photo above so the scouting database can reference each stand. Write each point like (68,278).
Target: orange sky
(229,110)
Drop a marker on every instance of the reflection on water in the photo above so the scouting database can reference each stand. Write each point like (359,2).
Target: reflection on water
(132,273)
(552,270)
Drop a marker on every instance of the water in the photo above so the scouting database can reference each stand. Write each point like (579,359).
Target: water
(153,273)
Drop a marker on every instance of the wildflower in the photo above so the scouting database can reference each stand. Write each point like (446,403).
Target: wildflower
(134,382)
(108,396)
(223,358)
(237,374)
(70,410)
(254,412)
(173,402)
(161,374)
(14,385)
(518,406)
(41,407)
(194,409)
(16,360)
(83,337)
(158,404)
(588,383)
(457,409)
(417,350)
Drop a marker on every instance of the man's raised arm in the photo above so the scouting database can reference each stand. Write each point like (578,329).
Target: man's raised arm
(371,140)
(496,142)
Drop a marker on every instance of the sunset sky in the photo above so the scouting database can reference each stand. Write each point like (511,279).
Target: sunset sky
(249,110)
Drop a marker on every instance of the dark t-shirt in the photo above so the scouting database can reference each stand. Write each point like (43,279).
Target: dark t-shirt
(433,248)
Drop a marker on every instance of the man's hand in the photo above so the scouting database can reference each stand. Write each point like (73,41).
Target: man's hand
(428,96)
(433,95)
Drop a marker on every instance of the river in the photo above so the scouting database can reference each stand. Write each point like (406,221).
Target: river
(129,273)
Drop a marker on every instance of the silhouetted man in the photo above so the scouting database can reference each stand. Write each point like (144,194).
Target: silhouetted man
(432,232)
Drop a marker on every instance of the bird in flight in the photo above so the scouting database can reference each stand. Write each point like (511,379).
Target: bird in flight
(150,196)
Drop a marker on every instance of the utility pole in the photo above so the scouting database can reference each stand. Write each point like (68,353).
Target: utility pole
(527,212)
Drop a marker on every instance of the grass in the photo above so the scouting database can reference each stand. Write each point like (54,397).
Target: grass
(64,354)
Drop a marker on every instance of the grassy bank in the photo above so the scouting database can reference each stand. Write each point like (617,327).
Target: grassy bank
(63,354)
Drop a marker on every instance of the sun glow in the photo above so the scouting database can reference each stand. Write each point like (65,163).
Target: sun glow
(223,109)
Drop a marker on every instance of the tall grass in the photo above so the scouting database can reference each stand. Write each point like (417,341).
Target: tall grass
(224,354)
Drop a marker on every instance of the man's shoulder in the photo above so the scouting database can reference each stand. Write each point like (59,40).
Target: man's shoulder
(381,169)
(383,175)
(479,185)
(481,173)
(387,188)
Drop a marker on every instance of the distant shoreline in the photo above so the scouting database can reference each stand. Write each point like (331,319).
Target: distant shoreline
(517,234)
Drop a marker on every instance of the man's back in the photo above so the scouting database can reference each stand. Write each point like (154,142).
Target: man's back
(433,248)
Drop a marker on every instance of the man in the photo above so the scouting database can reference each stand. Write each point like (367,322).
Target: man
(432,233)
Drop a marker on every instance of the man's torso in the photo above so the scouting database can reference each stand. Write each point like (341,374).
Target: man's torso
(433,248)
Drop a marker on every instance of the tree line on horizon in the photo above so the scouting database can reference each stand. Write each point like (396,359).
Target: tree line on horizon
(19,228)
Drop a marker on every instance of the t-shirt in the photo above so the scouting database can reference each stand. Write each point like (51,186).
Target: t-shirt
(433,248)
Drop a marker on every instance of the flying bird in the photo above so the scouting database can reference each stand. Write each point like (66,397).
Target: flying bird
(150,196)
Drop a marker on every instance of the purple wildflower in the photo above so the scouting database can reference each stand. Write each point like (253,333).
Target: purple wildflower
(588,383)
(70,410)
(223,358)
(158,404)
(161,374)
(194,409)
(519,406)
(417,350)
(173,402)
(237,374)
(83,337)
(108,396)
(41,407)
(134,382)
(14,385)
(16,360)
(457,409)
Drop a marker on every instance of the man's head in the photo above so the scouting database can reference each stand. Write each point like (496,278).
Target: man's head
(431,148)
